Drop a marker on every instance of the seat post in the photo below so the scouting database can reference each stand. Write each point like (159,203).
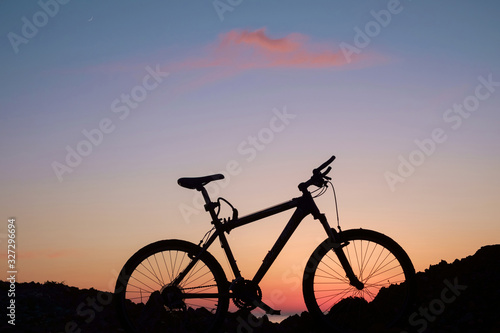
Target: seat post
(209,205)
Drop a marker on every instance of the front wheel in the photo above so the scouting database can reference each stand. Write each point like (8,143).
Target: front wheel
(149,299)
(384,268)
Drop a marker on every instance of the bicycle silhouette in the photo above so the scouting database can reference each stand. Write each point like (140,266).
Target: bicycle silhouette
(355,280)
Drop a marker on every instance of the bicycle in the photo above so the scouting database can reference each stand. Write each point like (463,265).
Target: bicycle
(356,280)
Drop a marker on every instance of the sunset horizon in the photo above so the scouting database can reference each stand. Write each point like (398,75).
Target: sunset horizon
(106,105)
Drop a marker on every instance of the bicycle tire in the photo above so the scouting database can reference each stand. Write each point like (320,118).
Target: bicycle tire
(379,263)
(146,301)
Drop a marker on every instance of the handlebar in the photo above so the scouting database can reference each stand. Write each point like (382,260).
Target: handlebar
(318,178)
(324,165)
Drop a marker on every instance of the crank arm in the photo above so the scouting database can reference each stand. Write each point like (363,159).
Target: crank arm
(266,308)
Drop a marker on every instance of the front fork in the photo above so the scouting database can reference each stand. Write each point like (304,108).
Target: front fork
(334,237)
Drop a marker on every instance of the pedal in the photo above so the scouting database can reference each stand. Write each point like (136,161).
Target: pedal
(266,308)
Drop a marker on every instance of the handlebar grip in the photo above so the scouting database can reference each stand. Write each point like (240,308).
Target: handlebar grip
(324,165)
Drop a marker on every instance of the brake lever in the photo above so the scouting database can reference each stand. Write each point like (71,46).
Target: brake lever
(322,166)
(324,174)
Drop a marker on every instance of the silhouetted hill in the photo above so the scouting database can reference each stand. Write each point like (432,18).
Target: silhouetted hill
(462,296)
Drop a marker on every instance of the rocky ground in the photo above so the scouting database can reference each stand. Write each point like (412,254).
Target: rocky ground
(462,296)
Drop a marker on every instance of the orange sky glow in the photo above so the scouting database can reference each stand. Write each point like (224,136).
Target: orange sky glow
(262,94)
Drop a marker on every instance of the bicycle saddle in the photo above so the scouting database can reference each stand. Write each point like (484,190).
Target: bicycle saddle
(198,182)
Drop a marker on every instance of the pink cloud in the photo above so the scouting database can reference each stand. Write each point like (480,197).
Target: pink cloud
(259,39)
(240,50)
(243,49)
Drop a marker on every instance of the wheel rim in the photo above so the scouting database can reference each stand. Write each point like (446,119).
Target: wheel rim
(378,304)
(151,303)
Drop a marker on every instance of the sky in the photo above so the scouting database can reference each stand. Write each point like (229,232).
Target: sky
(104,105)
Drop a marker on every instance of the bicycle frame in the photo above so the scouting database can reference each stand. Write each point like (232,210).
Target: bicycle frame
(179,285)
(304,205)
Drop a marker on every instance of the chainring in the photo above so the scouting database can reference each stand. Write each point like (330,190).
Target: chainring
(245,294)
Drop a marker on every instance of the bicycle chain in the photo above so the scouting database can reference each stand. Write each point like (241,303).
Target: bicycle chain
(200,287)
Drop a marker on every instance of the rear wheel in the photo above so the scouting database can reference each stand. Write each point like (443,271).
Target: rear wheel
(147,300)
(384,268)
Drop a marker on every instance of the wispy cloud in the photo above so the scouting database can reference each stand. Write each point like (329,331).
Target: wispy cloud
(237,51)
(243,49)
